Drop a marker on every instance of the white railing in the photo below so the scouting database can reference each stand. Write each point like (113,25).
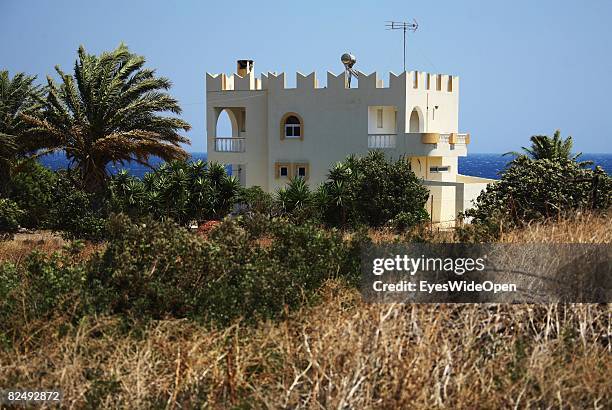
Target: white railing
(459,139)
(230,144)
(381,140)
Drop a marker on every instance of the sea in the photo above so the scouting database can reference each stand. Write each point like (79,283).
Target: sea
(480,165)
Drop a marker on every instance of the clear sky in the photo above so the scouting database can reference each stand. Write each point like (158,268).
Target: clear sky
(526,67)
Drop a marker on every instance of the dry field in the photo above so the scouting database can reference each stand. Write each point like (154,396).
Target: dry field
(43,241)
(341,354)
(24,243)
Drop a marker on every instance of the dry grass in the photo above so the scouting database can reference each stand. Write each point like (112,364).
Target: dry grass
(582,227)
(43,241)
(579,228)
(340,354)
(24,243)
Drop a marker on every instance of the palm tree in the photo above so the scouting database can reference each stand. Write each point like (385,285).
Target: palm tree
(18,95)
(294,196)
(554,149)
(108,112)
(336,193)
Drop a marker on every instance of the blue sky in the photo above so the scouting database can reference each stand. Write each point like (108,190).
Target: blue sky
(526,67)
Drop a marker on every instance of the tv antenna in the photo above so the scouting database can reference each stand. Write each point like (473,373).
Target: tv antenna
(402,25)
(349,61)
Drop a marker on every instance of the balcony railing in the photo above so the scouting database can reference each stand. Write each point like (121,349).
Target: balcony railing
(376,141)
(454,138)
(462,139)
(230,144)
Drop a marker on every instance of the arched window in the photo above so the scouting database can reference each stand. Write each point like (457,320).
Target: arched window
(292,127)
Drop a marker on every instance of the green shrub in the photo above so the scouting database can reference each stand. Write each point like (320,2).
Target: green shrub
(76,213)
(151,269)
(407,220)
(128,195)
(531,190)
(32,187)
(158,269)
(254,200)
(40,287)
(372,191)
(10,214)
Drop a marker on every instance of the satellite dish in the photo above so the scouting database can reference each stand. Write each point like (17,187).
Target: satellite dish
(349,61)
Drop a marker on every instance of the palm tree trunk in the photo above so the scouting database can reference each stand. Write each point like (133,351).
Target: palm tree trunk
(93,176)
(5,176)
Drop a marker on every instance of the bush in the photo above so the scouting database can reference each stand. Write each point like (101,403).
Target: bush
(532,190)
(10,214)
(372,191)
(33,189)
(158,269)
(128,195)
(406,220)
(42,286)
(254,200)
(76,213)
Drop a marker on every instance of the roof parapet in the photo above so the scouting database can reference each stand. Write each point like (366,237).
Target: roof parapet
(397,81)
(215,82)
(244,83)
(335,82)
(273,81)
(307,82)
(410,80)
(369,81)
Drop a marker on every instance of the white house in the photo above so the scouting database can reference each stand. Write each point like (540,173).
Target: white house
(279,132)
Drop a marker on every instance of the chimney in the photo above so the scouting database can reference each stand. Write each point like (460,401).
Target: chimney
(244,67)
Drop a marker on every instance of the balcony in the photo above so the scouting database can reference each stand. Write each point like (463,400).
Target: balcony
(381,141)
(230,144)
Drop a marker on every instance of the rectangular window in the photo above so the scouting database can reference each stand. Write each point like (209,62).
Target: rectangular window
(439,169)
(292,131)
(301,170)
(427,81)
(379,118)
(450,84)
(439,82)
(282,170)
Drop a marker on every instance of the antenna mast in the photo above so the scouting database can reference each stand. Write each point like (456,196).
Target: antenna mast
(404,26)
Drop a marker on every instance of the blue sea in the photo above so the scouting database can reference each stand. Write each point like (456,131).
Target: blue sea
(480,165)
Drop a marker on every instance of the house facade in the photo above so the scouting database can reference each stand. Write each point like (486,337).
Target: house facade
(280,133)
